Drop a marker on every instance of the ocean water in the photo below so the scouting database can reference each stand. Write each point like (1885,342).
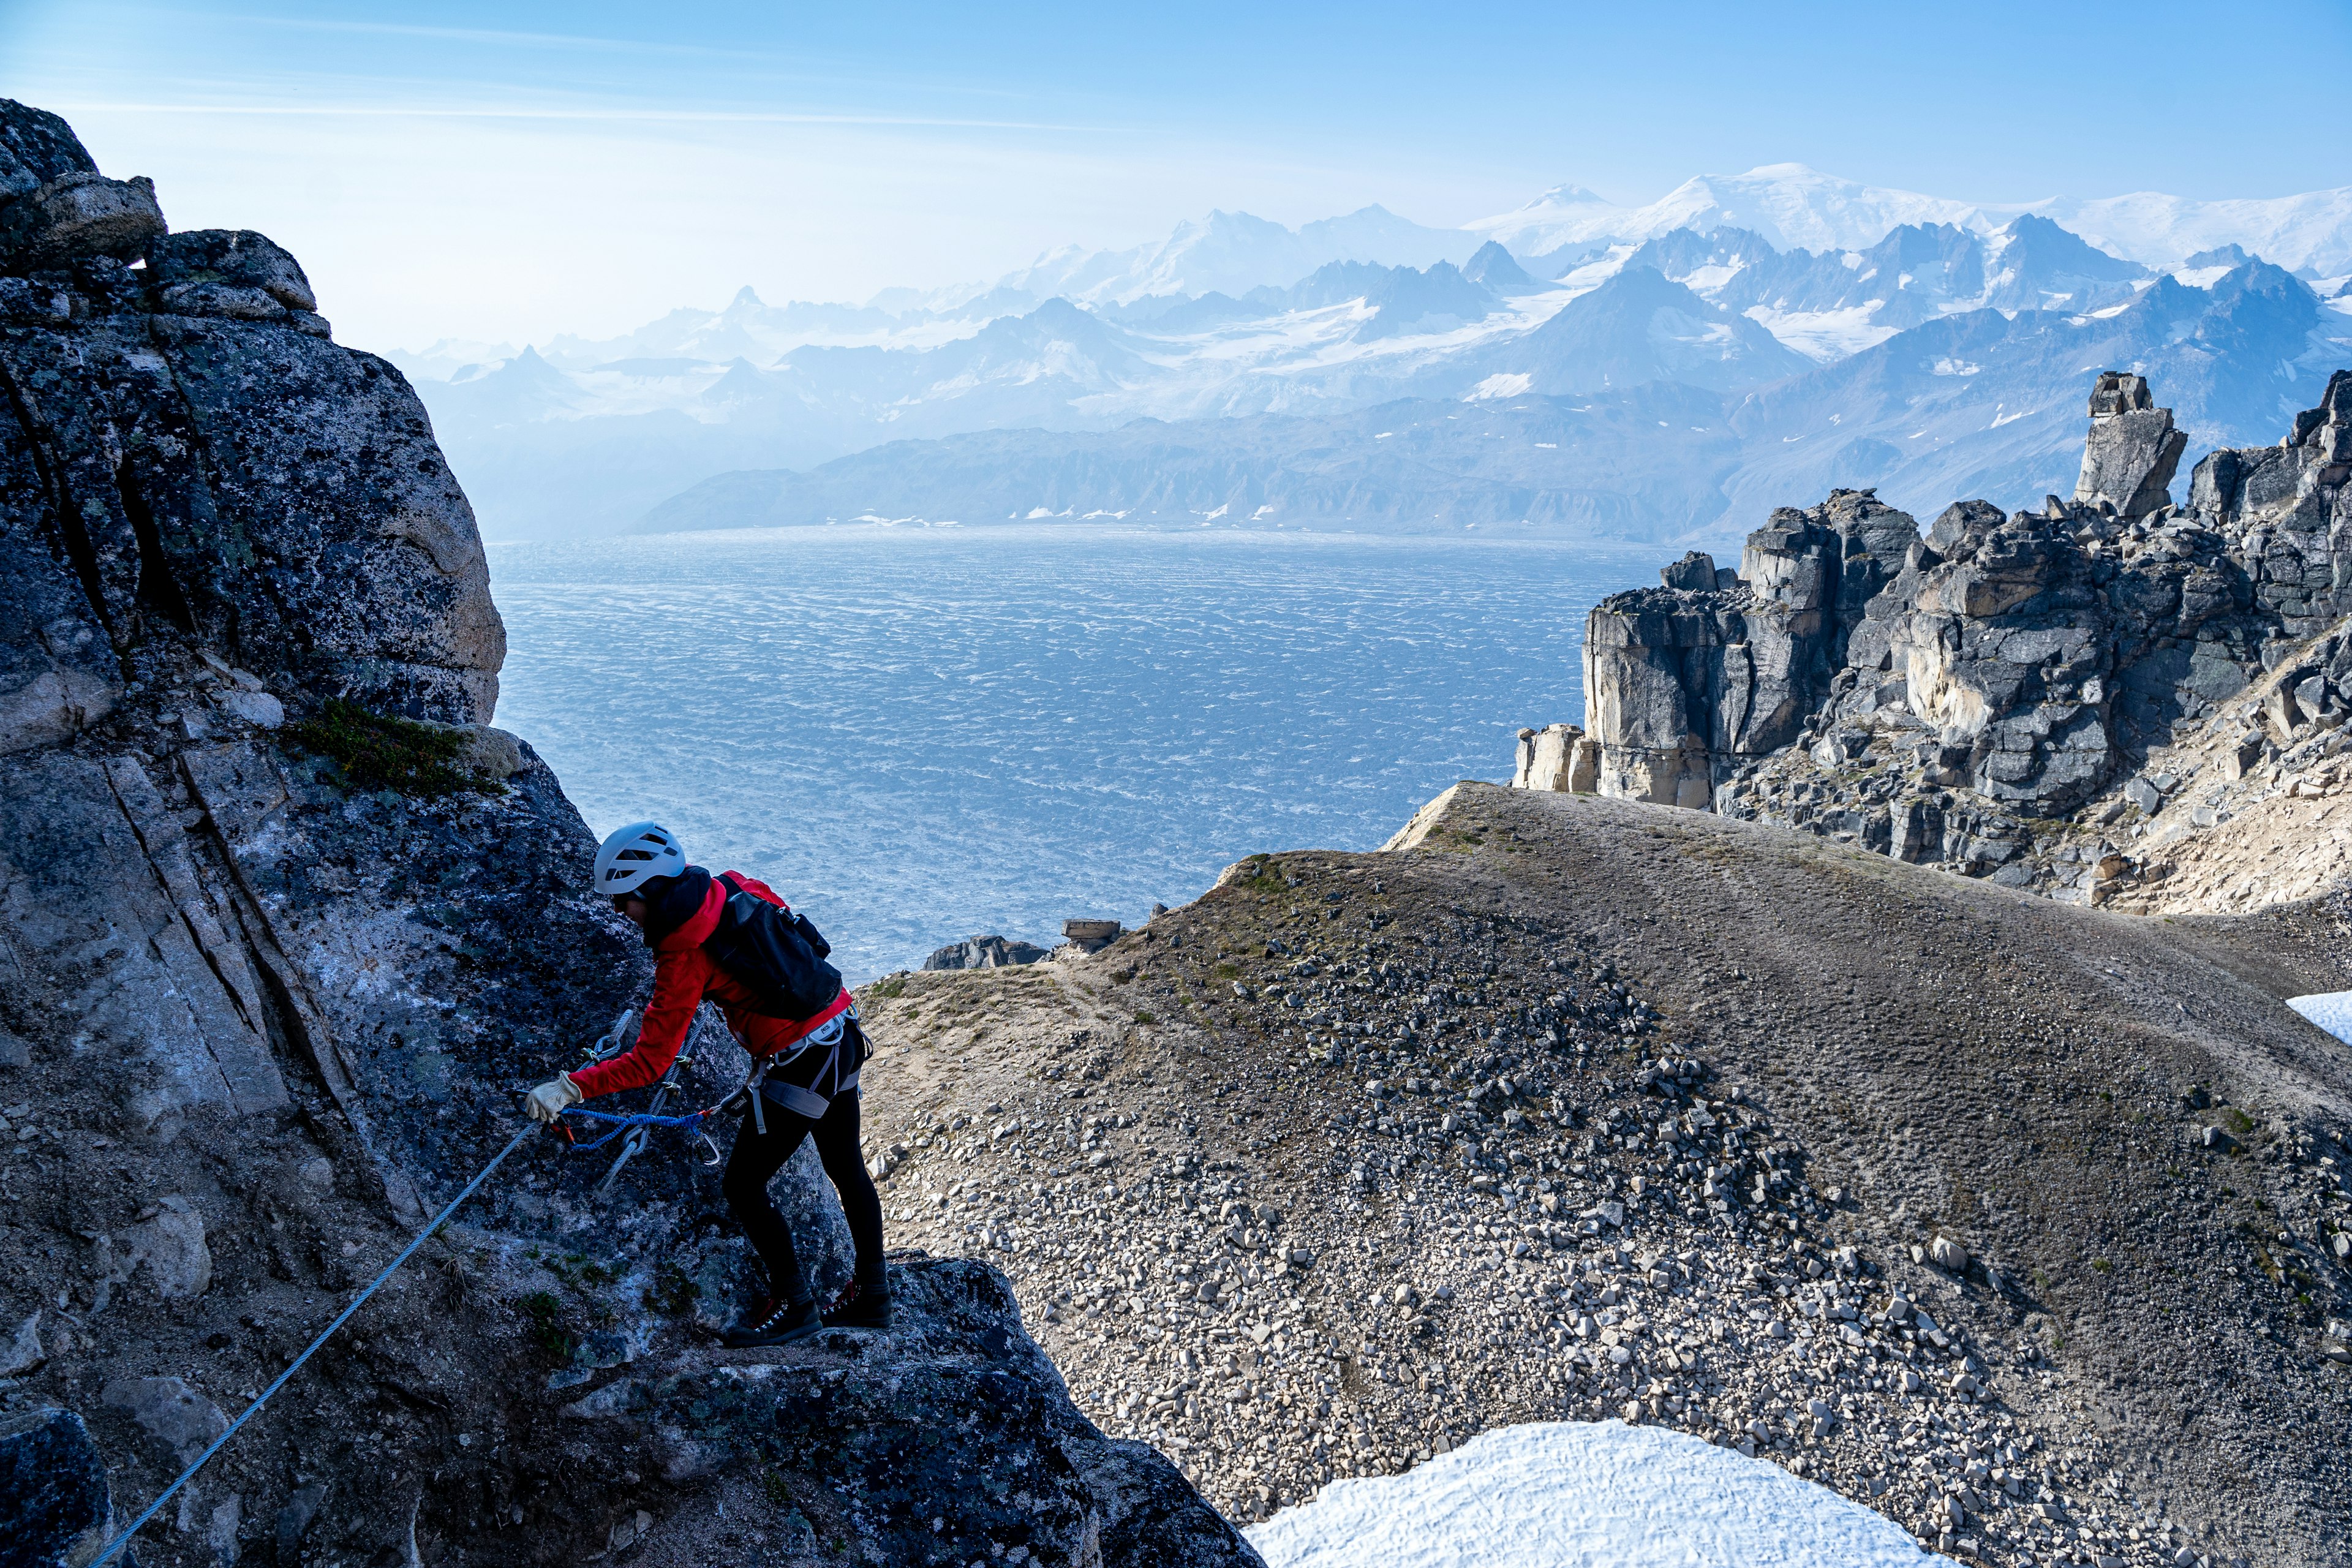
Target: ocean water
(921,735)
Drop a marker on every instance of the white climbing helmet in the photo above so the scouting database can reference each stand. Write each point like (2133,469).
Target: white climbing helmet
(634,855)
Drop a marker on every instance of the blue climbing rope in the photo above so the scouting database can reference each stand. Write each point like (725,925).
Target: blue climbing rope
(691,1122)
(358,1301)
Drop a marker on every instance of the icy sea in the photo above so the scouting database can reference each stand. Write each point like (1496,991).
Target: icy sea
(920,735)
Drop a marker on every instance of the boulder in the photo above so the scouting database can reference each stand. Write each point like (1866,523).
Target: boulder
(1558,757)
(171,1247)
(233,260)
(1694,572)
(1090,935)
(23,1350)
(169,1411)
(80,216)
(55,1510)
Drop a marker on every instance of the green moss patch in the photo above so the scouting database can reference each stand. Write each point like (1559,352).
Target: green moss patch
(381,750)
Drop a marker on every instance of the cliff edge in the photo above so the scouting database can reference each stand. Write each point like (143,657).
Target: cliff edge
(287,925)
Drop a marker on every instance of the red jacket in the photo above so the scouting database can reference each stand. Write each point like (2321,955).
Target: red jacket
(684,975)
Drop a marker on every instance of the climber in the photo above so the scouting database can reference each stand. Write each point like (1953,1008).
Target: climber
(731,939)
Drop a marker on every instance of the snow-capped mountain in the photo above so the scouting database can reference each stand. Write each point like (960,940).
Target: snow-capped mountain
(1236,318)
(1791,206)
(1797,208)
(1974,403)
(2310,234)
(1232,253)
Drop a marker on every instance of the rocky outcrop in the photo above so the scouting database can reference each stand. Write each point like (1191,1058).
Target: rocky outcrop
(990,952)
(2290,509)
(1683,681)
(287,926)
(2255,807)
(1556,757)
(2133,449)
(1967,699)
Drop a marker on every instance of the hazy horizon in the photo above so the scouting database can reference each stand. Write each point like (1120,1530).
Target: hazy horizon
(516,171)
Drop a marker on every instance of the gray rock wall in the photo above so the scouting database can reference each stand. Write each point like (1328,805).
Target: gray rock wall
(1935,698)
(260,1017)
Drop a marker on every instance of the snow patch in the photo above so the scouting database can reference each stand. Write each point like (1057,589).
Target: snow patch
(1823,336)
(1501,386)
(2331,1010)
(1584,1495)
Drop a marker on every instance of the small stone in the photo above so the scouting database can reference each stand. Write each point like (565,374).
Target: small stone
(171,1246)
(23,1351)
(1946,1253)
(170,1411)
(256,708)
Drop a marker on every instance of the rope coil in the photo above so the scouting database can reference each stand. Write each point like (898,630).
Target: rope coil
(692,1122)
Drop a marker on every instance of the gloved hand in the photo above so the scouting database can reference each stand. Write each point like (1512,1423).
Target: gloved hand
(551,1099)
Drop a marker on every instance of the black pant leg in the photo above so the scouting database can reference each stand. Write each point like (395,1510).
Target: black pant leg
(753,1163)
(836,1145)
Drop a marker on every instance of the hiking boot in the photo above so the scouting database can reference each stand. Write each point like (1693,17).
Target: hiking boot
(773,1324)
(860,1307)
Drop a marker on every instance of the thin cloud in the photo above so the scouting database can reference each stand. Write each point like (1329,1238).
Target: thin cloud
(419,112)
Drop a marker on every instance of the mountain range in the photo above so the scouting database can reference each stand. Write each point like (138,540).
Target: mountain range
(1787,329)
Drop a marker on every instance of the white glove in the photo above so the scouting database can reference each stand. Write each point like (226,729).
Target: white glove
(551,1099)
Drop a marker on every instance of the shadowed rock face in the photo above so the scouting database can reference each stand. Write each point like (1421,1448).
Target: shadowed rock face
(1680,681)
(259,1018)
(1933,698)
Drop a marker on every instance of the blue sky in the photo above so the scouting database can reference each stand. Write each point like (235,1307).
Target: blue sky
(509,171)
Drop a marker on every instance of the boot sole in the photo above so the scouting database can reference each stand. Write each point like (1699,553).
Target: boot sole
(761,1341)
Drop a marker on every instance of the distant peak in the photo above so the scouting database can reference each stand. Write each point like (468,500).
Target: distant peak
(1571,195)
(1788,172)
(743,296)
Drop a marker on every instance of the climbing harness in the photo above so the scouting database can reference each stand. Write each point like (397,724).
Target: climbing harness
(358,1301)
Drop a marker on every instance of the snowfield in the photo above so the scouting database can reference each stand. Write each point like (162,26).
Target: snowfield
(2331,1010)
(1584,1495)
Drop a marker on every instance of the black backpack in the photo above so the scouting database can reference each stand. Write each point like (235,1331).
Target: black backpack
(776,954)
